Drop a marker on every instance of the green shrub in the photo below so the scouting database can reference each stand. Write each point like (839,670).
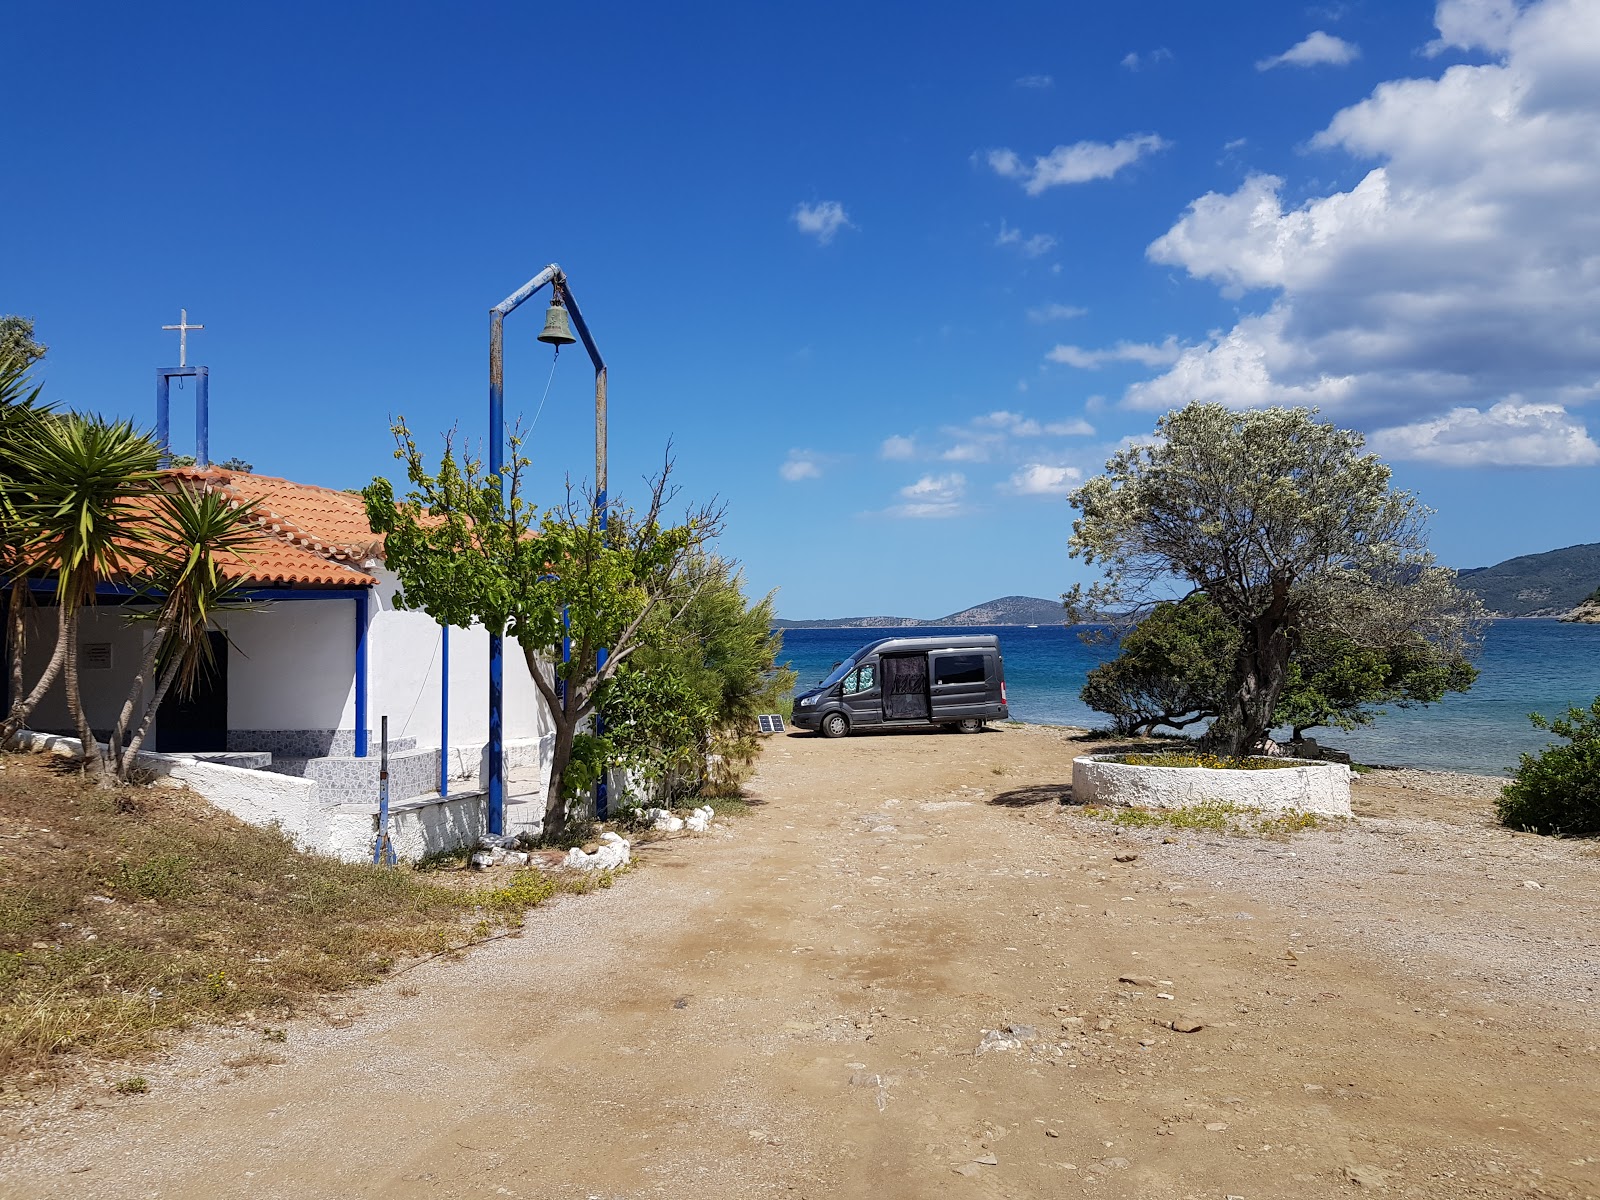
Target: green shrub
(1557,791)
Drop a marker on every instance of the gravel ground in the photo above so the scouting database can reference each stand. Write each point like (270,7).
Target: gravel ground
(794,1006)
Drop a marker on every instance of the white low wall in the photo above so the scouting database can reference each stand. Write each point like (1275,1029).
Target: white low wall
(1314,787)
(347,831)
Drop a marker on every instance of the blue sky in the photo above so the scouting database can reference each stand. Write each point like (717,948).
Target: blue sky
(891,277)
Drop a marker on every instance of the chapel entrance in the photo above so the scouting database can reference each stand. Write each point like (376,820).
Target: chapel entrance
(198,721)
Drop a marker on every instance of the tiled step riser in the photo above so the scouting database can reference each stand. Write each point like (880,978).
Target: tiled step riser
(355,780)
(311,743)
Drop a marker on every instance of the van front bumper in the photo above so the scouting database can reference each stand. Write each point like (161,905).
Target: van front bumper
(805,718)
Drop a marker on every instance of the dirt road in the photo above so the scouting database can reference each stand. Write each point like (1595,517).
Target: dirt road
(793,1006)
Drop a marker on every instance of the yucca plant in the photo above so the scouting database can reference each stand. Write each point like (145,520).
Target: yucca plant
(191,535)
(78,516)
(21,411)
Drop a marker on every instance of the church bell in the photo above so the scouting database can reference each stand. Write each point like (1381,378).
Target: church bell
(557,330)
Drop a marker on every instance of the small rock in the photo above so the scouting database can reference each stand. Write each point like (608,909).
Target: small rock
(988,1160)
(1126,858)
(1216,1126)
(591,847)
(1165,996)
(1141,981)
(1364,1175)
(56,842)
(1533,884)
(1169,841)
(1185,1025)
(1051,1133)
(1103,1025)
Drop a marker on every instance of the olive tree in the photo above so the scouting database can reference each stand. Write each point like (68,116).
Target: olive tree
(1286,527)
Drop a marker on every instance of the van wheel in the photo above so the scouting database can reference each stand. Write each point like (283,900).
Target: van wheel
(971,725)
(835,725)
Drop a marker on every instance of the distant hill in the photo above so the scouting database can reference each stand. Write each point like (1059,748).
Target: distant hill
(1537,585)
(1007,610)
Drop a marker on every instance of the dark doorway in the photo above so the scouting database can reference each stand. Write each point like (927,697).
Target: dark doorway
(198,721)
(905,687)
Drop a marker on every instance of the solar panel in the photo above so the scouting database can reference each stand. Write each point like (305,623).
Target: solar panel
(770,723)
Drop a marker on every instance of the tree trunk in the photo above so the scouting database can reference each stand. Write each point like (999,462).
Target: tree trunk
(131,755)
(22,706)
(91,759)
(555,804)
(1261,670)
(125,719)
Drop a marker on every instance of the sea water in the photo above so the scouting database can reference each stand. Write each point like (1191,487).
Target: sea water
(1524,666)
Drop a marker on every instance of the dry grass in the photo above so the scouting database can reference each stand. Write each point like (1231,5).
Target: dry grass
(127,914)
(1212,816)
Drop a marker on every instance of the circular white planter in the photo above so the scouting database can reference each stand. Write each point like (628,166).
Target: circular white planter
(1314,787)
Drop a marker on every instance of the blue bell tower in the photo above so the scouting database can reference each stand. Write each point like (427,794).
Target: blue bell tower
(202,396)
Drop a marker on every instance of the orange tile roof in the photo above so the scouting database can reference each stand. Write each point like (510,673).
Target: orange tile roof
(310,536)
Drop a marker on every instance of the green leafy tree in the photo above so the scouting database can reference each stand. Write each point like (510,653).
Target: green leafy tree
(1557,791)
(1285,525)
(1172,669)
(468,547)
(719,652)
(1335,682)
(17,344)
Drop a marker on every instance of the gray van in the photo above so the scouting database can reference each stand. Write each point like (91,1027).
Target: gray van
(956,682)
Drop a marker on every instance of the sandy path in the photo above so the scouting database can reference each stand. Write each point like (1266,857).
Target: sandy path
(792,1009)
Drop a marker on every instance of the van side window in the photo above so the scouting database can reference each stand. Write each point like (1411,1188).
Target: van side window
(859,680)
(958,668)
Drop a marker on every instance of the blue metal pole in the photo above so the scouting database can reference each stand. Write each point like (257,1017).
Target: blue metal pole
(202,417)
(497,441)
(382,854)
(444,710)
(361,675)
(163,413)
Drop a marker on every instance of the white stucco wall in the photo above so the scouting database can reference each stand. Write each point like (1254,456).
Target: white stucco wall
(406,666)
(103,691)
(292,665)
(1322,788)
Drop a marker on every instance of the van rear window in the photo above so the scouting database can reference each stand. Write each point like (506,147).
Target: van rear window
(958,668)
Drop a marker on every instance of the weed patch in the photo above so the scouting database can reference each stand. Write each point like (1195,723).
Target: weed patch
(121,922)
(1211,816)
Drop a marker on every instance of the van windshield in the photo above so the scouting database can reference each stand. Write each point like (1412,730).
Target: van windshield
(842,669)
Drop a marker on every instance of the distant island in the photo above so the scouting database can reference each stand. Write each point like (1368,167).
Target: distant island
(1007,610)
(1551,584)
(1558,583)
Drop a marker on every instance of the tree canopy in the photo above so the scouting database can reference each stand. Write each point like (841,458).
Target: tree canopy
(1287,528)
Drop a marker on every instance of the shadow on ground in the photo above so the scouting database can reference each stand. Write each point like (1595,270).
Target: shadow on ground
(1034,794)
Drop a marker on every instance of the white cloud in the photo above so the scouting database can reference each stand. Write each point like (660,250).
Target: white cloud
(1055,312)
(933,496)
(1037,83)
(1134,61)
(821,220)
(1136,352)
(897,448)
(1042,479)
(1317,49)
(1077,427)
(1462,268)
(801,464)
(1077,163)
(1031,247)
(1510,434)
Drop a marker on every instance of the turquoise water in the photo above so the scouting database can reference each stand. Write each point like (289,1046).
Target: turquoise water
(1524,666)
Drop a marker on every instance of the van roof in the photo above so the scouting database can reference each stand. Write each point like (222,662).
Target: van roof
(977,641)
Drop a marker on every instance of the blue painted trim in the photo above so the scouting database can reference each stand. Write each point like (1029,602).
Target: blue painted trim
(202,410)
(444,711)
(48,584)
(361,674)
(497,782)
(202,418)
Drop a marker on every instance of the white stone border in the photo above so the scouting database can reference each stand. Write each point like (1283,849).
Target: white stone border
(1315,787)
